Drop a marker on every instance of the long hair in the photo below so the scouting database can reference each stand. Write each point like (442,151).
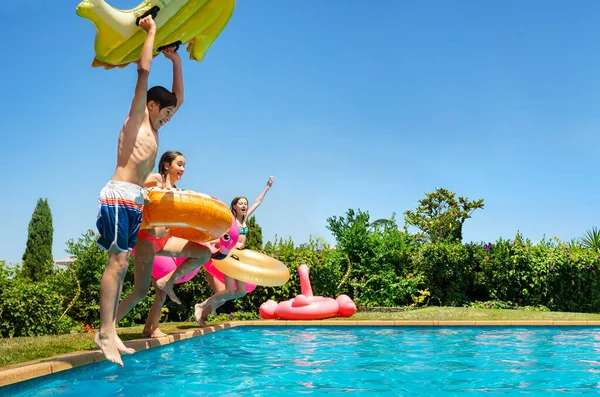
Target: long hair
(166,159)
(234,202)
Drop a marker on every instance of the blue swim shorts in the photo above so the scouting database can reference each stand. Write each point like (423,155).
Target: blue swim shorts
(119,215)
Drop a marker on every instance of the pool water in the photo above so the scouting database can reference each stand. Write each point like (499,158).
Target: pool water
(358,361)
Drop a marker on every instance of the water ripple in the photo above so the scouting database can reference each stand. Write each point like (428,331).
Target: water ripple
(341,360)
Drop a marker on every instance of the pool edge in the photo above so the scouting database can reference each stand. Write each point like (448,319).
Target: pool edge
(21,372)
(16,373)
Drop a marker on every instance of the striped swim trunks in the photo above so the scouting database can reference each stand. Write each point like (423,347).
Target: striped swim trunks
(119,215)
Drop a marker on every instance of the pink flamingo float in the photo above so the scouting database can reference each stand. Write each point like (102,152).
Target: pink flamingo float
(306,306)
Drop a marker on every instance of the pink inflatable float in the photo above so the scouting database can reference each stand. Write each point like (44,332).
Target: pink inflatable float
(164,265)
(306,306)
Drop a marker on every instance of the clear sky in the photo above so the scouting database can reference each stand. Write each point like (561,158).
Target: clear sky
(349,104)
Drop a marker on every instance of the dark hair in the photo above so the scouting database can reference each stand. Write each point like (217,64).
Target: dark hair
(161,96)
(234,202)
(167,158)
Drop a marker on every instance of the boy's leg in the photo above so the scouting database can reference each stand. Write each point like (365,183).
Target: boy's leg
(110,291)
(119,217)
(197,256)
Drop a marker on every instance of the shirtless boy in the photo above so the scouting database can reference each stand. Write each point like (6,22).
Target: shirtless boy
(122,199)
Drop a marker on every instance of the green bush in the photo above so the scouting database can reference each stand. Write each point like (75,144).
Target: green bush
(497,304)
(376,258)
(6,273)
(375,263)
(386,289)
(28,309)
(240,315)
(88,269)
(553,274)
(447,270)
(573,280)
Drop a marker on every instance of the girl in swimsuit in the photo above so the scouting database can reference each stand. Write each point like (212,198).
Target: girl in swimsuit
(170,170)
(231,289)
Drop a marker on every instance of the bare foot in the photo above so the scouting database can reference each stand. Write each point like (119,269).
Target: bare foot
(157,333)
(198,309)
(207,310)
(162,285)
(122,348)
(108,345)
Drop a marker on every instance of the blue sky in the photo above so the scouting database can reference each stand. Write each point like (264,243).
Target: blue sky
(347,105)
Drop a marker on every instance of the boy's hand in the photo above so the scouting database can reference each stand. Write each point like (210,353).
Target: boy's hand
(170,53)
(147,23)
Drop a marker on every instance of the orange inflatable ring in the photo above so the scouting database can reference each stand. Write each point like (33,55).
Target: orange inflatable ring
(253,267)
(189,215)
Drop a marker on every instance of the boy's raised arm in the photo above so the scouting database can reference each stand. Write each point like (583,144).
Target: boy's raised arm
(177,75)
(138,106)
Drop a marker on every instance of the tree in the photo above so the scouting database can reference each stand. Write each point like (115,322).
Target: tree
(591,239)
(254,240)
(37,259)
(379,223)
(441,217)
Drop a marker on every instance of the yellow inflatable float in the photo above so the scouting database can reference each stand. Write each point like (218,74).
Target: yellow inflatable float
(253,267)
(119,40)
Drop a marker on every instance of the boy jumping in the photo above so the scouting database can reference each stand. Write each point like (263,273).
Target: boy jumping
(122,199)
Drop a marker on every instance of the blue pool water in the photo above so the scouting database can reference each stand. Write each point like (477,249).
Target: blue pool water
(358,361)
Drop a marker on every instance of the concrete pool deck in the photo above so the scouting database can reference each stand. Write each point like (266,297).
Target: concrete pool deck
(16,373)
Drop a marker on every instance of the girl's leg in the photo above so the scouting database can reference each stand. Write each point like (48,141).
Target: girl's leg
(240,290)
(230,293)
(142,274)
(201,311)
(197,256)
(151,327)
(216,298)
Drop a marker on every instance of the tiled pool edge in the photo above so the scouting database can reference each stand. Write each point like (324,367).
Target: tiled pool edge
(16,373)
(21,372)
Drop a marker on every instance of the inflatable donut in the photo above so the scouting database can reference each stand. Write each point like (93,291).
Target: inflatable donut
(119,40)
(189,215)
(254,268)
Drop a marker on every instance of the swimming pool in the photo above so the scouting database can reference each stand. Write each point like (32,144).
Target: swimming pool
(405,361)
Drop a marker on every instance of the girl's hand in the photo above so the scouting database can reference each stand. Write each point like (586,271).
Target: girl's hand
(270,181)
(146,197)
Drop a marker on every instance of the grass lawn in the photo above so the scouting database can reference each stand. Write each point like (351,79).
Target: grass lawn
(18,350)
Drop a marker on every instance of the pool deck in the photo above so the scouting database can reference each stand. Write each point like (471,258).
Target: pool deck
(33,369)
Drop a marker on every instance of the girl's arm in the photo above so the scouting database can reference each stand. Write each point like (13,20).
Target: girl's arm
(260,198)
(154,179)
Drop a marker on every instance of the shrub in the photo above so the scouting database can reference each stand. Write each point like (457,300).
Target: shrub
(28,309)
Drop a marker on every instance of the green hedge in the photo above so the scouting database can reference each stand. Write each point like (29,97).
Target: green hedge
(551,273)
(375,263)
